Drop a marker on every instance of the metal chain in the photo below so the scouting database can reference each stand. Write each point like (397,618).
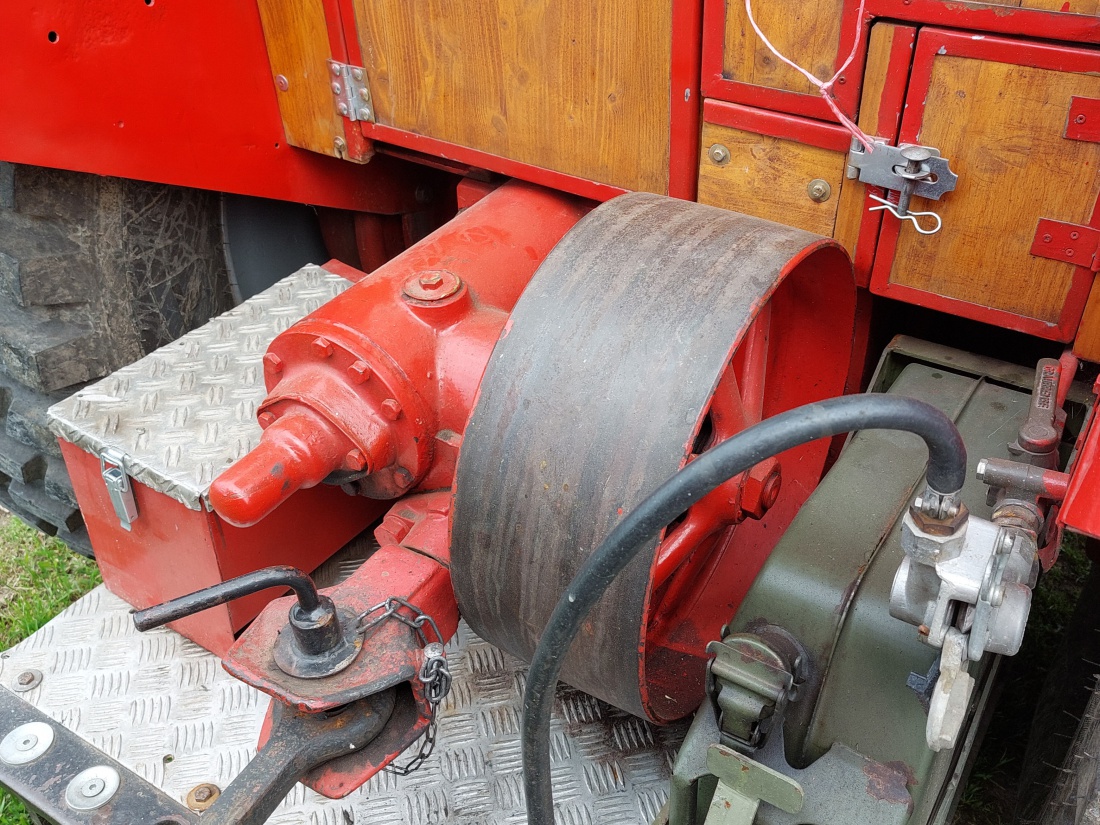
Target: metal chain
(434,674)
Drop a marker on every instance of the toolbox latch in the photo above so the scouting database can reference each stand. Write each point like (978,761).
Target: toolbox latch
(111,464)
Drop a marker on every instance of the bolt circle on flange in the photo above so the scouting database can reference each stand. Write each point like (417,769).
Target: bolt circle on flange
(26,743)
(27,680)
(432,285)
(202,796)
(92,788)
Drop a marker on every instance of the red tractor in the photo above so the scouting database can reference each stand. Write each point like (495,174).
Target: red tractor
(735,365)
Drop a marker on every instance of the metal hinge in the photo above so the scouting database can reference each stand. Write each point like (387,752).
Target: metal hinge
(908,170)
(111,465)
(349,88)
(1068,242)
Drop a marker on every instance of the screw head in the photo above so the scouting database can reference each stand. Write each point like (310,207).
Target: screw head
(1074,235)
(819,190)
(719,154)
(1079,119)
(365,113)
(282,82)
(339,145)
(1047,238)
(357,74)
(201,797)
(1069,253)
(342,108)
(364,95)
(334,68)
(391,409)
(27,680)
(337,88)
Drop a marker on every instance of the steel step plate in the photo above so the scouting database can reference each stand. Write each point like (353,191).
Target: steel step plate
(163,707)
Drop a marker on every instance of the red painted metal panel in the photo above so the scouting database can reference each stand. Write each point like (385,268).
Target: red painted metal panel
(175,92)
(1068,242)
(171,550)
(494,163)
(777,124)
(937,42)
(1081,509)
(685,99)
(1083,122)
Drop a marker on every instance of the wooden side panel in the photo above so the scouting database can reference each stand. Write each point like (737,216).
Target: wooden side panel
(298,48)
(580,88)
(1001,125)
(806,32)
(767,177)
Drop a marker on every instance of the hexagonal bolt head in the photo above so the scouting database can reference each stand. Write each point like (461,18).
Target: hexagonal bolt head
(819,190)
(391,409)
(719,154)
(321,347)
(355,461)
(359,372)
(430,280)
(273,363)
(266,419)
(761,489)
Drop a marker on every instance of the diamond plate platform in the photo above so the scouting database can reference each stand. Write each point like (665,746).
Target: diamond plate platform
(185,412)
(163,707)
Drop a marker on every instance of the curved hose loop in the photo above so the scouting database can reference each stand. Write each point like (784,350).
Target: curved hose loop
(946,473)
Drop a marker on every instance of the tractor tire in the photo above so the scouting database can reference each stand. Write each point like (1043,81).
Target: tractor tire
(1060,781)
(95,272)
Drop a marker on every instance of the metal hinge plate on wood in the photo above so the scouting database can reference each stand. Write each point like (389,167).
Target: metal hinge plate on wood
(1069,242)
(1083,121)
(350,91)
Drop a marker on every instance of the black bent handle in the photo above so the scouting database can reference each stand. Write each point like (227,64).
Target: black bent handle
(280,576)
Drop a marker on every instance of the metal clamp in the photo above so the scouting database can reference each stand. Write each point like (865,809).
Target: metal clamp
(908,170)
(112,467)
(349,87)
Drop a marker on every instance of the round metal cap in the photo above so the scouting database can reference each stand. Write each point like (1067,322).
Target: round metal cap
(92,788)
(26,743)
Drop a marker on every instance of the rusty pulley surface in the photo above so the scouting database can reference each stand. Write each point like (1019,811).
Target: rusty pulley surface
(656,328)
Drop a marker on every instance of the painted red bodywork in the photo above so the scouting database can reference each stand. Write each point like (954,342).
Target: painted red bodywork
(378,381)
(171,550)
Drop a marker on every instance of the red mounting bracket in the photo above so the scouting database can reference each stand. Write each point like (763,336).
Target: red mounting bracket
(1069,242)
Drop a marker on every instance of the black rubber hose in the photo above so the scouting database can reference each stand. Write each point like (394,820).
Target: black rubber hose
(946,473)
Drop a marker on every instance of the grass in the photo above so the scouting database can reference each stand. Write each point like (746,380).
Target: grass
(39,577)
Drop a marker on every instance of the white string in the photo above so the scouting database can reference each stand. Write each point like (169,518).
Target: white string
(826,86)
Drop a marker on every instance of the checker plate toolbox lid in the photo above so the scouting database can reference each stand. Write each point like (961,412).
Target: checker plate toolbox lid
(185,412)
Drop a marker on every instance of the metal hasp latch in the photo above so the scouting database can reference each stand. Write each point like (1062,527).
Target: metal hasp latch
(349,87)
(908,170)
(118,486)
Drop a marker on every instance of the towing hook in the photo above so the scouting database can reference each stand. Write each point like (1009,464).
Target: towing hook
(321,641)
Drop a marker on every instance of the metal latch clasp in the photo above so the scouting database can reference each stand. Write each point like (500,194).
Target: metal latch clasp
(908,170)
(111,465)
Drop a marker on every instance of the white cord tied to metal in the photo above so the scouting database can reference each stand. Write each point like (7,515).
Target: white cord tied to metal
(825,87)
